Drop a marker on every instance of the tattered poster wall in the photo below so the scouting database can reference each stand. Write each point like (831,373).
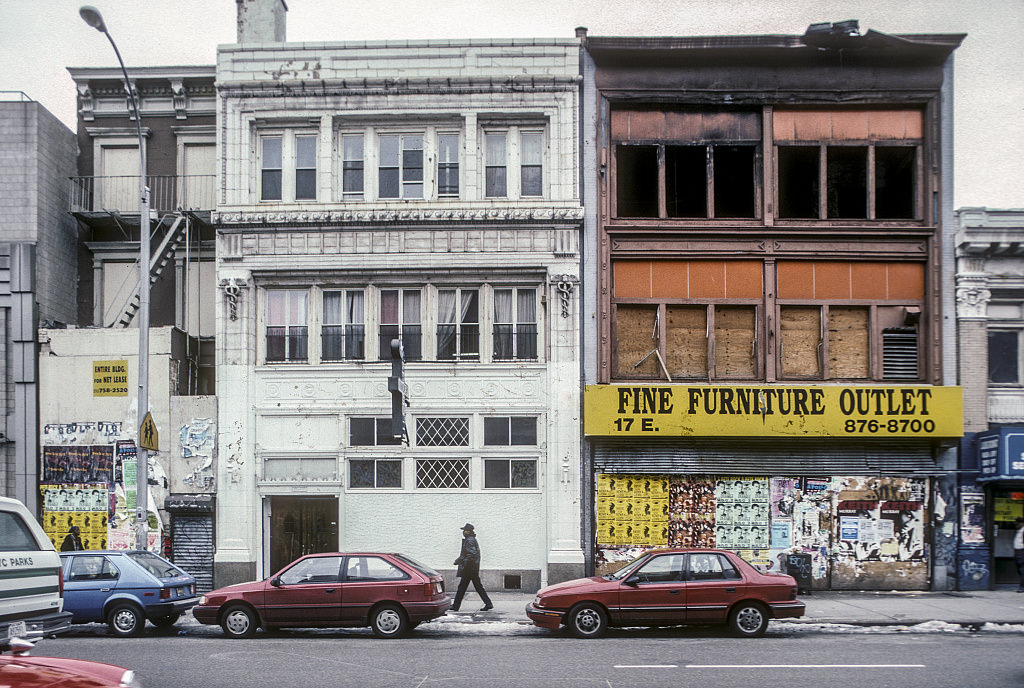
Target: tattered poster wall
(860,532)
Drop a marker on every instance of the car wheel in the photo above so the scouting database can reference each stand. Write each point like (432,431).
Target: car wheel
(126,620)
(166,621)
(749,620)
(388,621)
(239,622)
(588,620)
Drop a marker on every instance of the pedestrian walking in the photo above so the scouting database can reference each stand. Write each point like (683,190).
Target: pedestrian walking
(72,543)
(1018,552)
(469,569)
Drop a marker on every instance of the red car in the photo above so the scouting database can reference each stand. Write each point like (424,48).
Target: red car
(667,587)
(18,669)
(390,593)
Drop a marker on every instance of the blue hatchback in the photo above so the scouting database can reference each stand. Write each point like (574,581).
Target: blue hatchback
(124,588)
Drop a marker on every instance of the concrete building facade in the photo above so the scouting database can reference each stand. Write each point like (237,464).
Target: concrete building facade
(774,243)
(421,191)
(38,282)
(990,323)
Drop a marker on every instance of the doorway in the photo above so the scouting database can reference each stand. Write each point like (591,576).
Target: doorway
(301,526)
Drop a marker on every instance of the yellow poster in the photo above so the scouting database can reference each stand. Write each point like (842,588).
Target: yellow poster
(110,378)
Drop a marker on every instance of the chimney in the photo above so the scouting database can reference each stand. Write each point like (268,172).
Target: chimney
(261,21)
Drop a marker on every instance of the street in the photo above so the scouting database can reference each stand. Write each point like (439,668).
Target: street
(465,655)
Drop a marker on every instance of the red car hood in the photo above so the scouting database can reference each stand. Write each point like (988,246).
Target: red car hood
(576,585)
(51,672)
(251,586)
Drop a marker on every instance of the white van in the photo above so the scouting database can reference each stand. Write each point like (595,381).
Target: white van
(31,586)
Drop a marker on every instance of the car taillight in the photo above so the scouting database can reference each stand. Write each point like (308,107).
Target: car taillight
(60,581)
(792,593)
(165,593)
(433,588)
(193,588)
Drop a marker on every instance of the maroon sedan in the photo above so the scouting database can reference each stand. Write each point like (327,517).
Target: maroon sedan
(18,669)
(390,593)
(667,587)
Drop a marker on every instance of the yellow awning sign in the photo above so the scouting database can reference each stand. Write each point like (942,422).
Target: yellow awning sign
(110,378)
(773,411)
(149,438)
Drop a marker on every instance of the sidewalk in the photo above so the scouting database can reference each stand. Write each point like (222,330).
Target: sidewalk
(889,608)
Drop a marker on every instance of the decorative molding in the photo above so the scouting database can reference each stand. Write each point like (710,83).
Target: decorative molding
(86,103)
(972,300)
(232,293)
(438,215)
(178,98)
(565,284)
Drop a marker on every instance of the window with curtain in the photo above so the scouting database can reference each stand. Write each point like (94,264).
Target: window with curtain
(458,324)
(352,166)
(270,168)
(515,323)
(287,325)
(343,330)
(496,162)
(531,164)
(448,165)
(400,319)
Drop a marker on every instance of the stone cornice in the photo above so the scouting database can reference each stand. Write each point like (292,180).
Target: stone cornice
(248,88)
(546,215)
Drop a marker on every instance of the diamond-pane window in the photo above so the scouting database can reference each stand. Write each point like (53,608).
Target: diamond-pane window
(442,473)
(442,432)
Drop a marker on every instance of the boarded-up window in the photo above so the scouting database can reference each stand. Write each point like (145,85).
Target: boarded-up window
(686,341)
(735,341)
(636,336)
(800,341)
(848,342)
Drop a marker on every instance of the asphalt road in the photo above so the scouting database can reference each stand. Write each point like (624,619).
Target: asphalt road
(476,659)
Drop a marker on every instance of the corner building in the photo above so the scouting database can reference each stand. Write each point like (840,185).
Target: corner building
(425,191)
(772,264)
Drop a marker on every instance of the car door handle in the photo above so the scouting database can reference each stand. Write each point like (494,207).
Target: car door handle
(330,590)
(104,589)
(673,592)
(730,589)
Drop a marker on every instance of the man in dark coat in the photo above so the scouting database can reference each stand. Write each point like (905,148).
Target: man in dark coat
(72,543)
(469,569)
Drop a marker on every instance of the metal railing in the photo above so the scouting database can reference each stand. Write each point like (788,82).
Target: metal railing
(168,193)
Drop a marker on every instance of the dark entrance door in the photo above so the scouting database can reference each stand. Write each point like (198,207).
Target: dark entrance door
(300,526)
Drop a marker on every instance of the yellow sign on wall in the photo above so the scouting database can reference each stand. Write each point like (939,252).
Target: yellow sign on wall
(110,378)
(773,411)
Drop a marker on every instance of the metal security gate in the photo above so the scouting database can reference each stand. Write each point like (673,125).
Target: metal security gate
(192,536)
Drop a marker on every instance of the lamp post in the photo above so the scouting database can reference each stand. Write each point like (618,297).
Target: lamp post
(93,18)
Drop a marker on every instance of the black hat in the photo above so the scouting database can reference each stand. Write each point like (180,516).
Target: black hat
(74,529)
(468,526)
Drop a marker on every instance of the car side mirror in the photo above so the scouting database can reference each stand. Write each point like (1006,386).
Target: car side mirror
(632,582)
(276,581)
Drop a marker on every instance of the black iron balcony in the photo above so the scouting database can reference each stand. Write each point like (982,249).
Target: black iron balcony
(168,193)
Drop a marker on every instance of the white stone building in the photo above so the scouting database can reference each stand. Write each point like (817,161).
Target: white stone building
(425,190)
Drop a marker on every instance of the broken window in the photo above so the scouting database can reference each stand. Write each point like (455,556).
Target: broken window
(865,160)
(686,164)
(638,341)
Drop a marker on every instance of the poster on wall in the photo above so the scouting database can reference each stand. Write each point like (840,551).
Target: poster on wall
(972,518)
(691,507)
(741,513)
(632,510)
(849,528)
(907,526)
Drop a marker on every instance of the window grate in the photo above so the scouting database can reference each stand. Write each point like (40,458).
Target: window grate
(442,432)
(442,473)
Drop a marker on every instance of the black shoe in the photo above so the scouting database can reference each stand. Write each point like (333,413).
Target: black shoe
(487,608)
(454,609)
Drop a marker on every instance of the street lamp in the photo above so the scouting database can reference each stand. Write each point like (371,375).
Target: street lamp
(93,18)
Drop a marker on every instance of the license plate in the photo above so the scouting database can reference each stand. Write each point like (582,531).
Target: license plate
(16,629)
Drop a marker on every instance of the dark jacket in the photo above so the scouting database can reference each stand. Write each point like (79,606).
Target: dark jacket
(72,543)
(469,559)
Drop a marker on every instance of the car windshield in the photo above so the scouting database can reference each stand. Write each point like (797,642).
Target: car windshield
(161,568)
(628,569)
(422,568)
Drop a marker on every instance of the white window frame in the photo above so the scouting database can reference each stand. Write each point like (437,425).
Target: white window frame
(515,323)
(405,185)
(290,321)
(344,323)
(289,163)
(462,336)
(457,163)
(513,134)
(344,158)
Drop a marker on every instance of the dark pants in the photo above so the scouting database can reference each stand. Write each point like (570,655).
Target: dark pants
(1018,556)
(470,576)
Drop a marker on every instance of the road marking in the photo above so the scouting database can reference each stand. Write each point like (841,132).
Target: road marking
(805,666)
(646,666)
